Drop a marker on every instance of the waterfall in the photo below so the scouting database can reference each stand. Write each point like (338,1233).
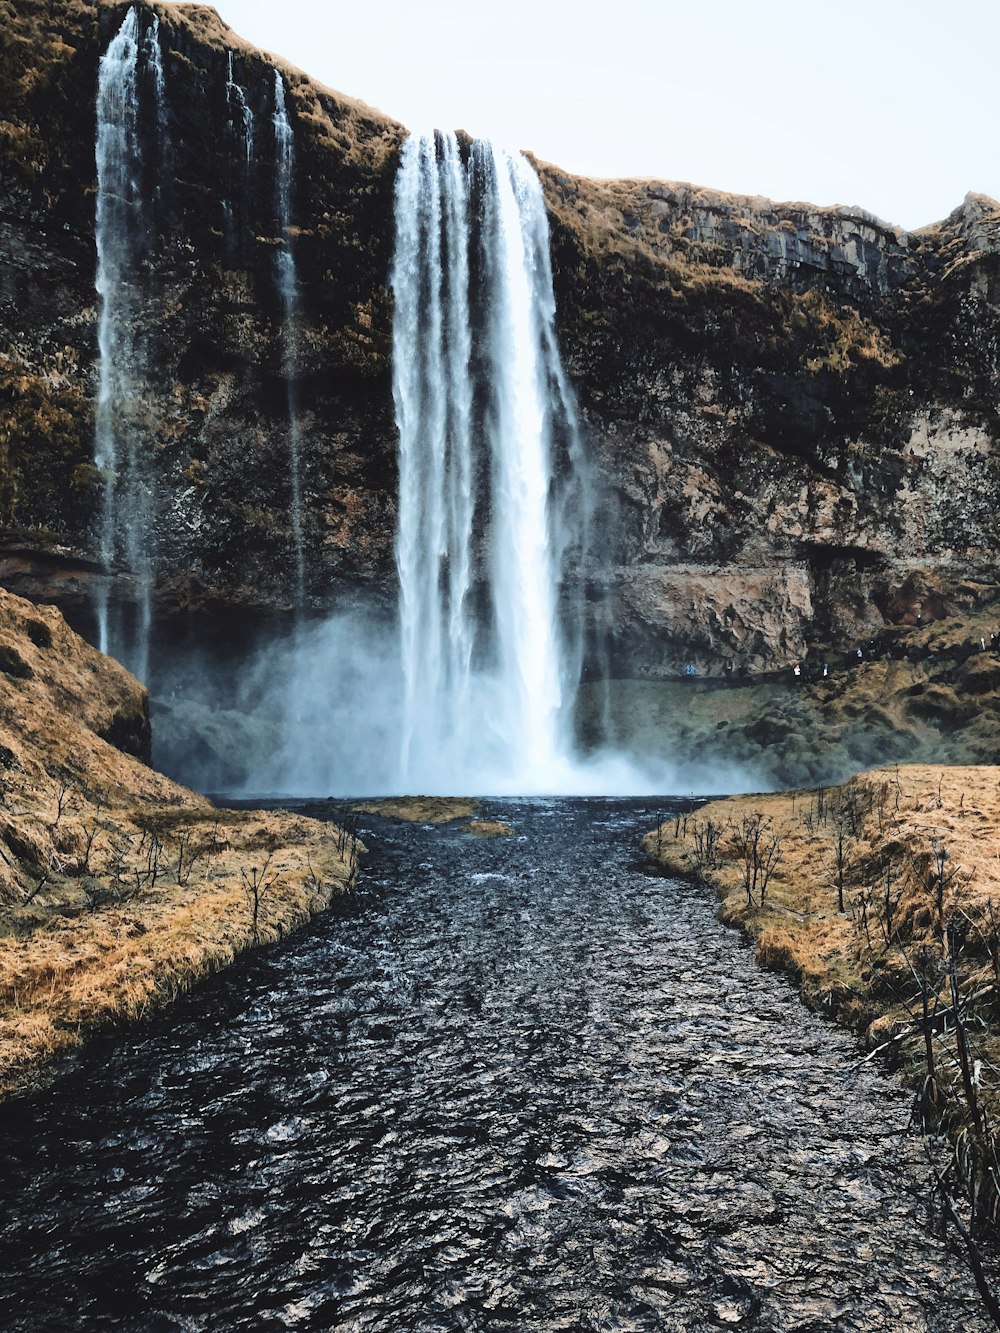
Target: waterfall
(121,454)
(236,98)
(288,288)
(236,208)
(154,63)
(482,406)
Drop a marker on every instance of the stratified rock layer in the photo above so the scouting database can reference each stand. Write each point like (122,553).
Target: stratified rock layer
(792,410)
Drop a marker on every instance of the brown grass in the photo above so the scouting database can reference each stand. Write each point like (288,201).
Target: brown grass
(421,809)
(81,969)
(118,888)
(488,828)
(920,883)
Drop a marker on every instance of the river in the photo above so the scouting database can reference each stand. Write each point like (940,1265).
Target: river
(511,1084)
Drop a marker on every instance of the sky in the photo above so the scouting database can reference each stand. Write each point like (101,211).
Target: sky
(887,104)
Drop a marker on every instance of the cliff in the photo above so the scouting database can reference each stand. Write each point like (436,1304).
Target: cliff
(214,401)
(792,410)
(796,409)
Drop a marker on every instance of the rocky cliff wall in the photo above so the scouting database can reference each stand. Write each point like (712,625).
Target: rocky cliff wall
(793,411)
(214,401)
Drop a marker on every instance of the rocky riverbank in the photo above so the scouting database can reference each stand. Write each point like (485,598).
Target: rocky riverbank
(119,888)
(917,693)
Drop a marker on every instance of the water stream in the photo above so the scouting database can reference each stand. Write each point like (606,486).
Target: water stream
(288,288)
(122,451)
(514,1084)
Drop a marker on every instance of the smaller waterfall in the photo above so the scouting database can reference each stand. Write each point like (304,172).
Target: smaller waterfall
(120,451)
(288,288)
(490,672)
(237,101)
(240,132)
(154,63)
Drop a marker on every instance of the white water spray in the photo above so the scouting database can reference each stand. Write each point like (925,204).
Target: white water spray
(128,502)
(489,683)
(288,288)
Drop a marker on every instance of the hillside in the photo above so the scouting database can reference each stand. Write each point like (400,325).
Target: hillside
(119,888)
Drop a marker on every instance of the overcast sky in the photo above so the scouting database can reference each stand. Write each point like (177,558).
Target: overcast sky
(889,104)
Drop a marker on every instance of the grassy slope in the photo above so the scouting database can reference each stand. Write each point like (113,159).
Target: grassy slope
(914,927)
(118,888)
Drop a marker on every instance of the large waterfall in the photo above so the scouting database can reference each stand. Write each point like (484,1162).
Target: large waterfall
(288,287)
(120,449)
(482,405)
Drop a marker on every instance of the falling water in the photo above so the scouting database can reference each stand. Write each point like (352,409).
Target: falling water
(236,204)
(237,101)
(128,503)
(154,63)
(487,694)
(288,287)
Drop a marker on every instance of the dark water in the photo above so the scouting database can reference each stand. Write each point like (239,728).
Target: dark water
(516,1084)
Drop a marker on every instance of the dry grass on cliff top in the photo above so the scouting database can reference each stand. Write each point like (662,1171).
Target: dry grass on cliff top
(118,888)
(913,852)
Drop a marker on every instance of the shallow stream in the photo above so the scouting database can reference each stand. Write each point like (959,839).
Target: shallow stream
(512,1084)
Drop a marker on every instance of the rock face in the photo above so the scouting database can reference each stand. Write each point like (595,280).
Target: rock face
(792,411)
(796,409)
(215,400)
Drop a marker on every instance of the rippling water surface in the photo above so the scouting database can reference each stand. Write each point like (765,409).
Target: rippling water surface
(514,1084)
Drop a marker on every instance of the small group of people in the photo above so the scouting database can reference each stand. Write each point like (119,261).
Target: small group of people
(798,671)
(802,671)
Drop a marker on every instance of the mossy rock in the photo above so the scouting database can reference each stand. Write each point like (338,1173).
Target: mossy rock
(488,828)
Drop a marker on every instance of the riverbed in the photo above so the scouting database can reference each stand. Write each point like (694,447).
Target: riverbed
(512,1083)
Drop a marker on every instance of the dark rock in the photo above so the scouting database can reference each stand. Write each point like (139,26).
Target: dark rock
(792,410)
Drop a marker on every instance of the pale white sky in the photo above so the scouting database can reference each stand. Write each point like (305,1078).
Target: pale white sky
(889,104)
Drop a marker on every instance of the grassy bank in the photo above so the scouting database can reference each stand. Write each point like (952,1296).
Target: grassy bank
(118,888)
(438,810)
(69,965)
(880,898)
